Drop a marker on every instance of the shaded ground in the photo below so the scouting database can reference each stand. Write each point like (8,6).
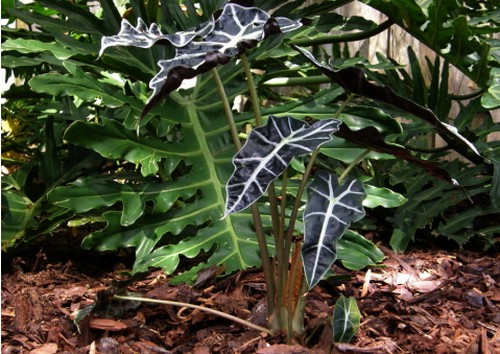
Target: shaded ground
(422,302)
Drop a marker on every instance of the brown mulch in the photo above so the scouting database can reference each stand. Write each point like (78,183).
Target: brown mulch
(420,302)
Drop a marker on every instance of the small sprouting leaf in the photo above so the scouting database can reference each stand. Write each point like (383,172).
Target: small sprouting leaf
(330,210)
(346,319)
(267,153)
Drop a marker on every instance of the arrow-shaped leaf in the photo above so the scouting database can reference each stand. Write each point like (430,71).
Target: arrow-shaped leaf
(330,210)
(267,153)
(235,29)
(143,37)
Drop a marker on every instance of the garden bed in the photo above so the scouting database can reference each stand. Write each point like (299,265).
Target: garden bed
(420,302)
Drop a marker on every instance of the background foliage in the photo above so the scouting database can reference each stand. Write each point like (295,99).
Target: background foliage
(74,157)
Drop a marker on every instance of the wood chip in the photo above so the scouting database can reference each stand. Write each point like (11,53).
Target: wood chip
(107,324)
(47,348)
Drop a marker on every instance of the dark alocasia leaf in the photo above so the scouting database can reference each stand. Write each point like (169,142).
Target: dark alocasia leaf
(354,80)
(370,138)
(330,210)
(143,37)
(236,29)
(267,153)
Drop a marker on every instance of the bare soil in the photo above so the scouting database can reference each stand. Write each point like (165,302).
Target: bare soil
(431,301)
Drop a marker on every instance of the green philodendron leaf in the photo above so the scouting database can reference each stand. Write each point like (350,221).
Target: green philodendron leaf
(7,5)
(356,252)
(233,250)
(232,240)
(86,194)
(149,229)
(54,24)
(438,25)
(78,16)
(348,155)
(268,151)
(113,141)
(399,240)
(319,107)
(429,198)
(377,196)
(464,221)
(18,213)
(330,210)
(491,99)
(27,46)
(347,152)
(84,86)
(346,319)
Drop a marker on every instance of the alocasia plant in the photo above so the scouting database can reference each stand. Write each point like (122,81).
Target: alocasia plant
(266,154)
(329,210)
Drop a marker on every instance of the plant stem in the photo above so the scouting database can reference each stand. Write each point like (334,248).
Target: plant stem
(353,164)
(196,307)
(227,109)
(343,105)
(298,197)
(292,81)
(259,229)
(467,96)
(266,259)
(251,90)
(276,279)
(284,185)
(275,213)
